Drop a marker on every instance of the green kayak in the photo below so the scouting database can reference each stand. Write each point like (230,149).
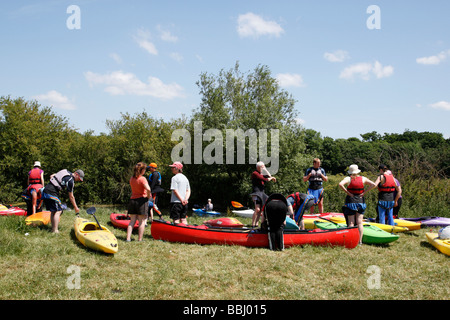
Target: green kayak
(371,234)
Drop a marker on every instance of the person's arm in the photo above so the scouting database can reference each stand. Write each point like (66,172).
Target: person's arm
(322,173)
(186,199)
(307,175)
(42,178)
(399,194)
(342,186)
(74,203)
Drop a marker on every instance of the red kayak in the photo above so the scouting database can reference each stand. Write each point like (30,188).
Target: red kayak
(224,222)
(12,211)
(121,220)
(167,231)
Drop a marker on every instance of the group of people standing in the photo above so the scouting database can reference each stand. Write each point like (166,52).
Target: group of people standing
(144,195)
(389,194)
(37,194)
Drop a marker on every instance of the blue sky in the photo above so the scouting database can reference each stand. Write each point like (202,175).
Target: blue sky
(351,70)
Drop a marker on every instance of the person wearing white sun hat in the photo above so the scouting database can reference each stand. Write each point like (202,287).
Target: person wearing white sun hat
(355,205)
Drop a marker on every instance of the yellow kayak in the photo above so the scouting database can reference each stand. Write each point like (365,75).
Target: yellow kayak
(38,219)
(384,227)
(411,225)
(442,245)
(91,236)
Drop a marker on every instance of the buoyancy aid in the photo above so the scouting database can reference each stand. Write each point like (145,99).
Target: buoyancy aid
(158,181)
(388,185)
(56,180)
(356,185)
(297,200)
(35,176)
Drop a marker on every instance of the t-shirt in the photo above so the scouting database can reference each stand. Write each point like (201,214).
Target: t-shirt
(180,183)
(138,189)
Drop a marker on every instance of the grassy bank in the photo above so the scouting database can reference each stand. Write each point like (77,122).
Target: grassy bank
(40,265)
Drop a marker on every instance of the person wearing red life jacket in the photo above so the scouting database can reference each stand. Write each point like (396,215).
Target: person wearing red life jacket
(355,204)
(388,194)
(32,193)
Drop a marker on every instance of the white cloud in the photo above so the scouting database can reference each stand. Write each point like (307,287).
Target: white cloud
(364,70)
(56,99)
(166,35)
(434,60)
(116,58)
(176,56)
(444,105)
(336,56)
(143,39)
(121,83)
(252,25)
(290,80)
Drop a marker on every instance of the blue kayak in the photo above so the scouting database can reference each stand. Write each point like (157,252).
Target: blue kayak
(203,212)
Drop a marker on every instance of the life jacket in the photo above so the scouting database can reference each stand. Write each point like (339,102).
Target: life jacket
(316,177)
(57,181)
(35,176)
(297,200)
(158,182)
(388,185)
(356,185)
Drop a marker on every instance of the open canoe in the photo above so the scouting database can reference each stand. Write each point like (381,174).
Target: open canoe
(164,230)
(38,219)
(371,234)
(442,245)
(91,236)
(121,220)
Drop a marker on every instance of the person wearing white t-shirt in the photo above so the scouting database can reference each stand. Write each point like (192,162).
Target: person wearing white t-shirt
(181,191)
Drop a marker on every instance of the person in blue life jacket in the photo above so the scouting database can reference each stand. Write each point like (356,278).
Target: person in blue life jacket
(154,181)
(316,175)
(63,179)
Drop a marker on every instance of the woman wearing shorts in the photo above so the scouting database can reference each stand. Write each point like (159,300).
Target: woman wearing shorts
(138,205)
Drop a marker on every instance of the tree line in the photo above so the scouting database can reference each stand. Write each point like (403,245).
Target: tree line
(231,99)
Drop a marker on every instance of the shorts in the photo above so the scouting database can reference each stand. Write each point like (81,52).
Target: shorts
(351,209)
(138,206)
(317,194)
(52,203)
(178,211)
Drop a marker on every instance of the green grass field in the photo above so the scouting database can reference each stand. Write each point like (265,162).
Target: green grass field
(38,265)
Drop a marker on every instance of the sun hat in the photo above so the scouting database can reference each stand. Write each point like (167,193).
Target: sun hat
(37,164)
(353,169)
(177,165)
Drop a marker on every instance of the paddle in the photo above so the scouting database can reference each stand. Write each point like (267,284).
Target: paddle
(91,211)
(237,205)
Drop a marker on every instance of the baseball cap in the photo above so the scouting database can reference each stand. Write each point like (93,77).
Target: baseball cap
(80,173)
(177,165)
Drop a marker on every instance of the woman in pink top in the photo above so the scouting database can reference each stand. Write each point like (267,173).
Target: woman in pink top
(138,205)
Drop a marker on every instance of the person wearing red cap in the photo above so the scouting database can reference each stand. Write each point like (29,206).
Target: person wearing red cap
(181,191)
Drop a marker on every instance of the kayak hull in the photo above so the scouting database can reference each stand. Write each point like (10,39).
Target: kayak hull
(247,213)
(430,221)
(166,231)
(385,227)
(89,234)
(441,245)
(371,234)
(224,222)
(202,212)
(13,211)
(38,219)
(121,220)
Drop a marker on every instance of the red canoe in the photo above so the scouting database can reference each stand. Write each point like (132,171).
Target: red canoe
(164,230)
(121,220)
(13,211)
